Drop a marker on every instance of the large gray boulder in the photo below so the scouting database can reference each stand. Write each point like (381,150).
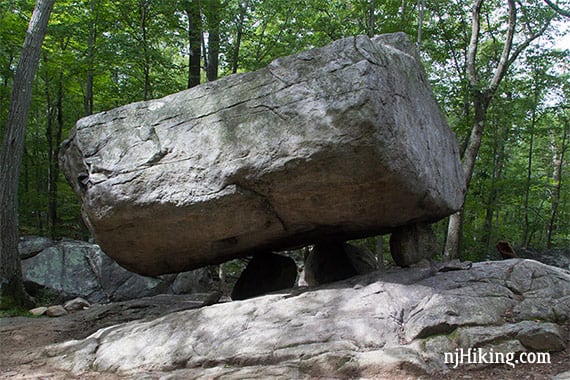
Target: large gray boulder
(73,268)
(372,326)
(344,140)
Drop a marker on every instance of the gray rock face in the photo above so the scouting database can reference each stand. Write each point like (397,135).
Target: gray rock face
(344,140)
(556,257)
(366,327)
(73,268)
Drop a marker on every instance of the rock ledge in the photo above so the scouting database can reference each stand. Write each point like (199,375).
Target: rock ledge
(368,326)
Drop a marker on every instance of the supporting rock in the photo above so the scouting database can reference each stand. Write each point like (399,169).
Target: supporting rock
(265,273)
(335,260)
(411,244)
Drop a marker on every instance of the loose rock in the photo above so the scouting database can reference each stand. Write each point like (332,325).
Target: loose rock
(38,311)
(56,311)
(76,304)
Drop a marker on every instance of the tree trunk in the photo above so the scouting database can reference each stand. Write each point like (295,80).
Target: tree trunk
(50,148)
(194,42)
(558,161)
(88,99)
(420,23)
(498,154)
(371,19)
(380,252)
(525,237)
(239,34)
(481,98)
(147,61)
(454,230)
(11,283)
(54,142)
(214,10)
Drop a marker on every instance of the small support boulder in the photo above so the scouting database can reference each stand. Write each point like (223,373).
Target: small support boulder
(265,273)
(411,244)
(333,260)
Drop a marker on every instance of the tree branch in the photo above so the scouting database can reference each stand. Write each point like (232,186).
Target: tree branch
(472,51)
(528,41)
(505,62)
(557,9)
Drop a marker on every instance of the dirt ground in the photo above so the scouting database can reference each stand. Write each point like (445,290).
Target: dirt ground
(21,339)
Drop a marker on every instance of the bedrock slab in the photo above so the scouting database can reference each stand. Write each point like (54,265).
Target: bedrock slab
(370,326)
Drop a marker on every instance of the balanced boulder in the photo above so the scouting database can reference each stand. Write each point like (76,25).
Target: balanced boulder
(345,140)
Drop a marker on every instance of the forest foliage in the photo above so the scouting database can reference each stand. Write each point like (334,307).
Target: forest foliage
(100,54)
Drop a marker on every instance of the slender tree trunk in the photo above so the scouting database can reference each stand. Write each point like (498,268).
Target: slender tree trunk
(420,22)
(50,145)
(54,142)
(214,10)
(39,177)
(371,19)
(194,42)
(239,34)
(525,237)
(501,135)
(88,99)
(454,230)
(147,61)
(380,252)
(558,162)
(481,98)
(11,283)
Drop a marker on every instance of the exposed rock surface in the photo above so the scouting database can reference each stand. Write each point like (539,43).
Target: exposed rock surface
(265,273)
(335,260)
(366,327)
(72,268)
(556,257)
(345,140)
(22,337)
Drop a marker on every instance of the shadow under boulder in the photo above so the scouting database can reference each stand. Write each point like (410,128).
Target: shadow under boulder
(335,260)
(265,273)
